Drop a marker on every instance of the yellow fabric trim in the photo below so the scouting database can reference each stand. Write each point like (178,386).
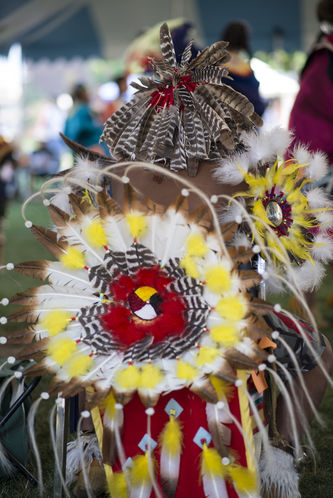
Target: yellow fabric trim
(97,421)
(246,419)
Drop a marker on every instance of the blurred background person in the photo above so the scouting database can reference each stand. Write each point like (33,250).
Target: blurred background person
(7,181)
(81,125)
(311,118)
(116,104)
(243,79)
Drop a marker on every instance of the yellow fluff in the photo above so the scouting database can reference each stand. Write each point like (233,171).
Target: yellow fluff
(139,472)
(73,259)
(190,266)
(61,350)
(227,334)
(196,246)
(150,377)
(185,371)
(206,355)
(128,378)
(231,308)
(95,234)
(55,321)
(218,279)
(79,365)
(211,463)
(117,485)
(245,479)
(259,211)
(137,225)
(171,437)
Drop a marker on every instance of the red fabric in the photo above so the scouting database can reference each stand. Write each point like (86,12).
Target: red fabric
(306,327)
(192,417)
(311,118)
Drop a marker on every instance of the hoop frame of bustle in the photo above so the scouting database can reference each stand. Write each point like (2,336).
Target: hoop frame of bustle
(118,261)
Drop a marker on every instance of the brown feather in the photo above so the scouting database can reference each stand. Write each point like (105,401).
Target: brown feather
(203,217)
(79,205)
(149,400)
(107,205)
(205,391)
(86,153)
(228,231)
(249,278)
(33,269)
(240,254)
(49,240)
(220,436)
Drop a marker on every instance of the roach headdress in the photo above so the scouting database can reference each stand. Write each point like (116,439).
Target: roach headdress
(182,115)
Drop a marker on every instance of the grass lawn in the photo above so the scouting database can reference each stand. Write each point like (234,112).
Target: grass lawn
(317,476)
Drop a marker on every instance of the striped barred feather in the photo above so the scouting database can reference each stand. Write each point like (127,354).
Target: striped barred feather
(115,261)
(173,269)
(127,143)
(167,48)
(165,135)
(139,351)
(186,286)
(99,277)
(178,161)
(139,256)
(187,54)
(211,74)
(214,54)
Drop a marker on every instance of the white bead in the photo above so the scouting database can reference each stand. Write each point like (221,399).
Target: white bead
(271,358)
(185,192)
(238,219)
(125,179)
(150,411)
(11,360)
(85,414)
(275,334)
(10,266)
(46,202)
(59,401)
(44,395)
(214,199)
(18,374)
(28,224)
(3,340)
(265,275)
(277,308)
(220,405)
(262,367)
(256,249)
(4,301)
(238,383)
(3,320)
(225,461)
(118,406)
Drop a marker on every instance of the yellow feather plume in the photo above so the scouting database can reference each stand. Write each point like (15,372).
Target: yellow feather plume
(139,472)
(223,389)
(225,334)
(73,259)
(211,463)
(231,308)
(95,234)
(150,377)
(79,365)
(185,371)
(196,246)
(55,321)
(117,485)
(206,355)
(61,350)
(171,437)
(128,378)
(245,479)
(137,225)
(108,405)
(218,279)
(190,266)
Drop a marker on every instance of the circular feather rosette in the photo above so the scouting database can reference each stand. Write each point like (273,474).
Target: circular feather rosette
(141,298)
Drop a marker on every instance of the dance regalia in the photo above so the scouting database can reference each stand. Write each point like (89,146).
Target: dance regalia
(155,309)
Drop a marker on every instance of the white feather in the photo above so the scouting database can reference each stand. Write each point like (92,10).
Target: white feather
(61,200)
(279,140)
(229,172)
(302,154)
(90,452)
(116,230)
(144,491)
(318,166)
(308,276)
(169,465)
(324,252)
(325,219)
(241,240)
(214,487)
(57,296)
(318,198)
(277,470)
(59,276)
(232,212)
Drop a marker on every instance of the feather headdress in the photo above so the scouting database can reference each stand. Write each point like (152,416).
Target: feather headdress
(184,114)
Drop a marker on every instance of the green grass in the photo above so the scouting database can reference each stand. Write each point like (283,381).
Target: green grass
(317,479)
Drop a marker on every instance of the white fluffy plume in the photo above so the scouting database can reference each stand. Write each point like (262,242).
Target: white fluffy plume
(308,276)
(324,251)
(316,162)
(230,170)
